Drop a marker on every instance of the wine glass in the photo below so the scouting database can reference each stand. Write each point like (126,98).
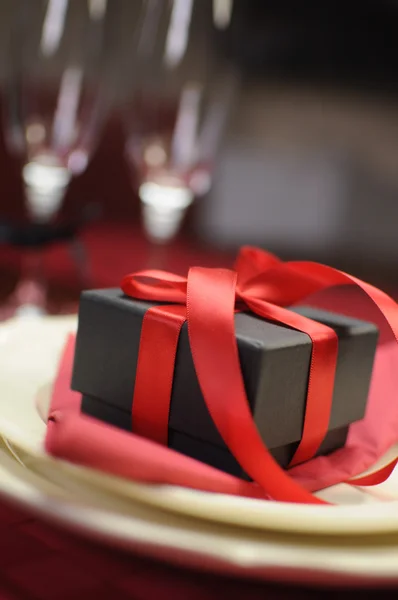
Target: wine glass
(53,109)
(181,90)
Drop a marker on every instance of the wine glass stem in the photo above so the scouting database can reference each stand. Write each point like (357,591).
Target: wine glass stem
(30,294)
(45,187)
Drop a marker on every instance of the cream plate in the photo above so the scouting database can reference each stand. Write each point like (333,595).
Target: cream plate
(190,542)
(134,515)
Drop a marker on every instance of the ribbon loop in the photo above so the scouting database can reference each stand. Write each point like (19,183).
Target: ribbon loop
(281,285)
(326,277)
(155,285)
(252,261)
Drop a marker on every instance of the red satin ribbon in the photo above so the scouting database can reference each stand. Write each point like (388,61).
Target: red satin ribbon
(152,391)
(265,285)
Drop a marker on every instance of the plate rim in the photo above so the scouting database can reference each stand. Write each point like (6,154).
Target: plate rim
(75,519)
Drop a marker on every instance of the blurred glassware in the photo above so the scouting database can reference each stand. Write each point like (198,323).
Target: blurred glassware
(182,86)
(55,103)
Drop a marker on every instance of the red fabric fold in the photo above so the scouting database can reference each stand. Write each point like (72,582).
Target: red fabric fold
(86,441)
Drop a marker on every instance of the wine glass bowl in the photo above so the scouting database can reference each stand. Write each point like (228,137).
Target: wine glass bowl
(180,94)
(52,101)
(55,101)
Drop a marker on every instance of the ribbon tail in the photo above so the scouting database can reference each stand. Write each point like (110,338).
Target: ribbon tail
(321,374)
(376,477)
(327,277)
(211,325)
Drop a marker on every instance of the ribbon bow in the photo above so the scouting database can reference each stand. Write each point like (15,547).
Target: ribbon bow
(207,300)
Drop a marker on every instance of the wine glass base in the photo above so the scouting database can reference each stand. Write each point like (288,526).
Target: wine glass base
(29,311)
(27,301)
(10,310)
(163,210)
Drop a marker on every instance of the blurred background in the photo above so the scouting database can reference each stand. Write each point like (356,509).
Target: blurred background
(165,133)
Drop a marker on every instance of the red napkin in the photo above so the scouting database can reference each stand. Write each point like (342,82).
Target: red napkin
(84,440)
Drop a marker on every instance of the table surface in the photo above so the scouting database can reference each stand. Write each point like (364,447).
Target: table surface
(39,561)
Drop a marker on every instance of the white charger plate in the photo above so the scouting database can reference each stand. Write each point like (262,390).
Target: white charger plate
(232,534)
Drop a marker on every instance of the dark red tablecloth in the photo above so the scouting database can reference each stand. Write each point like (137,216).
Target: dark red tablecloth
(114,249)
(40,562)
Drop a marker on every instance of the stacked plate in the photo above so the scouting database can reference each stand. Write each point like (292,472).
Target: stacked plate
(354,541)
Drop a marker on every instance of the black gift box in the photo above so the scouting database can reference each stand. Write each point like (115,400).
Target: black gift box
(275,362)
